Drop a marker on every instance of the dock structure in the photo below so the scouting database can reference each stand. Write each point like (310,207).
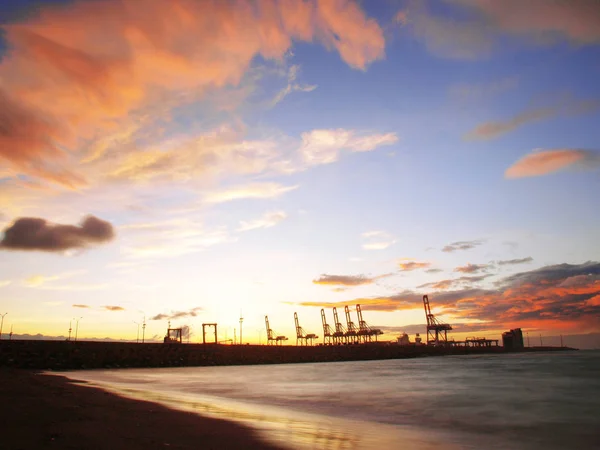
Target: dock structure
(302,337)
(365,332)
(352,331)
(437,331)
(328,337)
(339,337)
(272,338)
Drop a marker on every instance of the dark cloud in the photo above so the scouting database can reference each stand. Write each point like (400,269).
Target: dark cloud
(81,306)
(346,280)
(32,233)
(434,270)
(406,266)
(114,308)
(472,268)
(515,261)
(177,314)
(461,245)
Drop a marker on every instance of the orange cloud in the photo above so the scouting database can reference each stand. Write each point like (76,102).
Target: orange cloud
(74,72)
(544,162)
(413,265)
(562,297)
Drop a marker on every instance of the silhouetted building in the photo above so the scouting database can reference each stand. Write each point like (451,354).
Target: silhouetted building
(512,339)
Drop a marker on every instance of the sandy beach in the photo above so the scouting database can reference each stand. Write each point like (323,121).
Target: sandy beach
(46,411)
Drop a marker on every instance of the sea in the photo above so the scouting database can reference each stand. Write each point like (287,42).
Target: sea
(512,401)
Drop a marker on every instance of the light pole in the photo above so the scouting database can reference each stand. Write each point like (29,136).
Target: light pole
(144,330)
(241,320)
(70,328)
(2,323)
(77,327)
(137,337)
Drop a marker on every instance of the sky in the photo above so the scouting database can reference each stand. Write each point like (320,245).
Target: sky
(191,161)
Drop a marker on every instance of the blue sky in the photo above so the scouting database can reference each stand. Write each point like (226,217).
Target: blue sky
(288,166)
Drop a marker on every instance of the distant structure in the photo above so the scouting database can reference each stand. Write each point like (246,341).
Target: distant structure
(352,331)
(437,331)
(403,339)
(339,337)
(272,339)
(365,332)
(209,325)
(328,337)
(173,336)
(301,336)
(513,339)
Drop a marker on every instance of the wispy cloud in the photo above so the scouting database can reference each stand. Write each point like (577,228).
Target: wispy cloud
(249,191)
(515,261)
(292,85)
(347,280)
(268,220)
(324,146)
(5,283)
(406,266)
(37,281)
(461,245)
(178,314)
(81,306)
(114,308)
(494,129)
(472,268)
(545,162)
(455,282)
(377,240)
(483,23)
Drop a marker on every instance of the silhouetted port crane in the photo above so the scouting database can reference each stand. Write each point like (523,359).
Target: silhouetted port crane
(364,330)
(271,338)
(352,333)
(437,331)
(340,332)
(328,337)
(301,335)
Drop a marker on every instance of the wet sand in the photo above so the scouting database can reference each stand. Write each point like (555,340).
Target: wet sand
(45,411)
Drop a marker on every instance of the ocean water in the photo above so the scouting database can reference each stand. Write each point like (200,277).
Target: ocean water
(516,401)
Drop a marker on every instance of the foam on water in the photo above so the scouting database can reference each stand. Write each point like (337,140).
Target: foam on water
(519,401)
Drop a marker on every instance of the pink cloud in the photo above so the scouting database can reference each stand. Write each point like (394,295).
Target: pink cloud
(74,72)
(544,162)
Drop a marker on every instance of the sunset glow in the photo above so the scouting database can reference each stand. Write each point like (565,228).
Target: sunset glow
(190,161)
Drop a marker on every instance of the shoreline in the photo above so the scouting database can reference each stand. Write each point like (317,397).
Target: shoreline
(48,411)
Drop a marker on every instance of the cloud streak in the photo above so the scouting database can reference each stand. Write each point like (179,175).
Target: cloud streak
(268,220)
(177,314)
(545,162)
(347,280)
(461,245)
(495,129)
(407,266)
(35,234)
(482,23)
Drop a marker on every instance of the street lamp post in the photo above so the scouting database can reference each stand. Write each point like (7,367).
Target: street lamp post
(70,328)
(2,323)
(144,330)
(77,327)
(137,337)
